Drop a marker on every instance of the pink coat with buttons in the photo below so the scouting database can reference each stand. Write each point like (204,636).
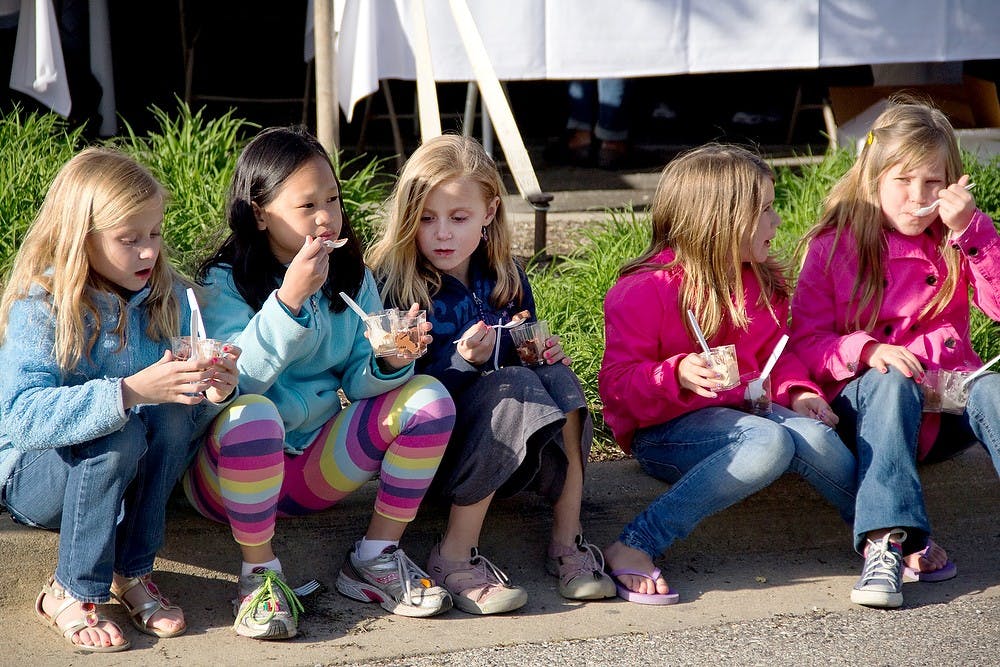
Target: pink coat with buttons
(915,274)
(646,339)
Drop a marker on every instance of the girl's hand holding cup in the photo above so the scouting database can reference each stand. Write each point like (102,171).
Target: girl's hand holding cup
(697,375)
(225,375)
(554,352)
(169,380)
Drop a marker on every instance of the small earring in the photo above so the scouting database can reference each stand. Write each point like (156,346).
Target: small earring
(485,237)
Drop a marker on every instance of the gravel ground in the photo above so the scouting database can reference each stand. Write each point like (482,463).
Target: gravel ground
(962,632)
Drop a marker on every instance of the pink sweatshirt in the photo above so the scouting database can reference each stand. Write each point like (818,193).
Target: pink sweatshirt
(915,273)
(646,339)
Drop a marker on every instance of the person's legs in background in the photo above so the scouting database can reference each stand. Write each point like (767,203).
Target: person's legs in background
(608,98)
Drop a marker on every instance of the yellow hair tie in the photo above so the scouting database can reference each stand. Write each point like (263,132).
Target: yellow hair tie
(869,139)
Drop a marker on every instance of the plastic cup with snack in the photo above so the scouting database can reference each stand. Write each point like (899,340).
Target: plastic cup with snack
(722,359)
(381,328)
(529,339)
(756,395)
(408,333)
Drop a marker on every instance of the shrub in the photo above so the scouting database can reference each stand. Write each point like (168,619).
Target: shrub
(32,149)
(194,157)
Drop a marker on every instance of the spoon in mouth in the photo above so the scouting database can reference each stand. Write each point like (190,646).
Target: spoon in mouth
(339,243)
(930,208)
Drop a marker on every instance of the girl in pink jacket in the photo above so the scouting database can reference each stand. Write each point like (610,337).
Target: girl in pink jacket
(882,298)
(713,223)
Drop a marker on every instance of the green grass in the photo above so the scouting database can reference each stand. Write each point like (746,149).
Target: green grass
(192,155)
(32,148)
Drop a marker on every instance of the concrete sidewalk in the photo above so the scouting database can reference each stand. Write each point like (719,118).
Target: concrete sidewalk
(782,551)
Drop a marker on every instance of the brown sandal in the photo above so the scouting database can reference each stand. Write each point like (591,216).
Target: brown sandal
(90,619)
(140,614)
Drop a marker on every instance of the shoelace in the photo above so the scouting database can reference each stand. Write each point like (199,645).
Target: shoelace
(881,565)
(408,572)
(488,567)
(265,591)
(595,553)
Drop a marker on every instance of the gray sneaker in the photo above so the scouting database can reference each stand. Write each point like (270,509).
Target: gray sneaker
(881,582)
(266,607)
(395,582)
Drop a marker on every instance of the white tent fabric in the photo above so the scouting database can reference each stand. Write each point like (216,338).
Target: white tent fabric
(38,69)
(571,39)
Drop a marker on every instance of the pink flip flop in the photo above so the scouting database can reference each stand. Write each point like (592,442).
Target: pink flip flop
(626,593)
(947,571)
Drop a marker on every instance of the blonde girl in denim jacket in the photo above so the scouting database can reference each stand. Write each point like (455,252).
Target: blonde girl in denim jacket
(97,415)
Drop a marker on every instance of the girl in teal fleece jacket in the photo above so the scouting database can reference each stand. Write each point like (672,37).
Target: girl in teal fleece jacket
(288,446)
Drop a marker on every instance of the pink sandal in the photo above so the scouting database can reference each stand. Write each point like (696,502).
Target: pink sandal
(626,593)
(947,571)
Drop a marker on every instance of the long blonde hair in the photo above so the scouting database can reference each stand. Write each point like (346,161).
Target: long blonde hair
(908,133)
(407,276)
(95,191)
(706,208)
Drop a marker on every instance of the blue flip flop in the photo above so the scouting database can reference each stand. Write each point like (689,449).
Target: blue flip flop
(626,593)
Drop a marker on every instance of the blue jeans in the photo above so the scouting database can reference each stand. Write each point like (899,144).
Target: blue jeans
(609,97)
(106,497)
(715,457)
(883,414)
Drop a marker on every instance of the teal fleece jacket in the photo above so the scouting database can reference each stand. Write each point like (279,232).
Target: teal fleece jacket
(299,362)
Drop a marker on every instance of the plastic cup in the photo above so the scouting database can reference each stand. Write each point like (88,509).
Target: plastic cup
(723,362)
(931,387)
(381,326)
(208,348)
(757,394)
(953,395)
(407,334)
(529,339)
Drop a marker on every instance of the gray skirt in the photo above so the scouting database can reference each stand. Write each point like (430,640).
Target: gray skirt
(508,435)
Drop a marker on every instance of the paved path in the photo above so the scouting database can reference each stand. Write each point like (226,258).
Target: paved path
(774,566)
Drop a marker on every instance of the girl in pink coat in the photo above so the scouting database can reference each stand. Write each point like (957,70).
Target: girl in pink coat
(882,298)
(713,222)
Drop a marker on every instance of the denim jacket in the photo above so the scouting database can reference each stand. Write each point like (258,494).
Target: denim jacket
(42,407)
(455,308)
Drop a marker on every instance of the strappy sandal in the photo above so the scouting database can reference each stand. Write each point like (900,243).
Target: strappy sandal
(140,613)
(90,619)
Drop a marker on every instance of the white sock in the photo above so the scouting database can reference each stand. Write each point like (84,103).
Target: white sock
(367,549)
(270,565)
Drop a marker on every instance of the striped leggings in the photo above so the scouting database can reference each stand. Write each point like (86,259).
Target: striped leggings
(242,475)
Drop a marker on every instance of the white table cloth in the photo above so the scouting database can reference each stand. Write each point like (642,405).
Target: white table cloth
(571,39)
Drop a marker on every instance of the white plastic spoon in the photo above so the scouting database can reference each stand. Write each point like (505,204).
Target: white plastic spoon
(755,387)
(980,371)
(197,326)
(930,208)
(339,243)
(508,325)
(354,306)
